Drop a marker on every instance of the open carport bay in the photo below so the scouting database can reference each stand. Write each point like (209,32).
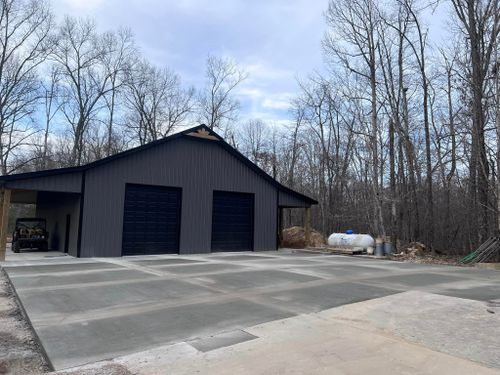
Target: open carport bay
(92,310)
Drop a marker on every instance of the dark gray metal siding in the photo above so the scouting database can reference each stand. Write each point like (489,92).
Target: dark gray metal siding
(67,183)
(54,207)
(289,200)
(24,196)
(198,167)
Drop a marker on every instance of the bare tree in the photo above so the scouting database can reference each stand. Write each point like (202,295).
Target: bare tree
(419,50)
(254,134)
(298,113)
(52,105)
(26,41)
(496,76)
(80,54)
(407,26)
(352,40)
(120,52)
(217,106)
(479,20)
(156,102)
(447,143)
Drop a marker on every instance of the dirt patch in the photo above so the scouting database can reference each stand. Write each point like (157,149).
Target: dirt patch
(98,369)
(295,238)
(20,352)
(429,259)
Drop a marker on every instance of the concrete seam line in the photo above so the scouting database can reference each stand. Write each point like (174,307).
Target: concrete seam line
(28,320)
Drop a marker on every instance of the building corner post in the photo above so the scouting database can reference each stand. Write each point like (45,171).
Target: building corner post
(280,226)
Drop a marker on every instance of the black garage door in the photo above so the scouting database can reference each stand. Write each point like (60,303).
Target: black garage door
(151,220)
(232,221)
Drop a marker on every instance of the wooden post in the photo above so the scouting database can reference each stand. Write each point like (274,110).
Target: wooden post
(280,225)
(307,225)
(4,220)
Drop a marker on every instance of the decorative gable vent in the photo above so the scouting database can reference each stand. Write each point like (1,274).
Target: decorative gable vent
(203,133)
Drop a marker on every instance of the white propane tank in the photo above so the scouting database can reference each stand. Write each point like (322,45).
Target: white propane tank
(351,240)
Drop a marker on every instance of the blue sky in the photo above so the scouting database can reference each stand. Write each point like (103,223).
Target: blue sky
(275,41)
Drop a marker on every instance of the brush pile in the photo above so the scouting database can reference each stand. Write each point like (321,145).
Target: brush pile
(295,238)
(417,252)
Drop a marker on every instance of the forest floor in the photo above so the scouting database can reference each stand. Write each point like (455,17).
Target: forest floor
(417,252)
(409,254)
(20,352)
(452,260)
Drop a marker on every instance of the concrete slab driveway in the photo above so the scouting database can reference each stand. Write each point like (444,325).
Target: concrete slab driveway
(89,310)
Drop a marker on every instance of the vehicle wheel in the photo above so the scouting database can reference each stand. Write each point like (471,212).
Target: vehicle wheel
(15,247)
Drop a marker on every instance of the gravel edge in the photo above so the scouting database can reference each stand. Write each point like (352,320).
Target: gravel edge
(25,353)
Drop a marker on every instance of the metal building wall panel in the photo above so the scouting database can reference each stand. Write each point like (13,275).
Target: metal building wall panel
(64,183)
(289,200)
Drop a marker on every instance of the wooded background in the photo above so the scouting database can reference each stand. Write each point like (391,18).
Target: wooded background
(395,136)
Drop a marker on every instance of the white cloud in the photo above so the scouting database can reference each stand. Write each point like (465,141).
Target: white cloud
(276,104)
(279,101)
(78,5)
(249,92)
(267,91)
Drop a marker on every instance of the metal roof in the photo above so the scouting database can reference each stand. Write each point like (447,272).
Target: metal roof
(222,143)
